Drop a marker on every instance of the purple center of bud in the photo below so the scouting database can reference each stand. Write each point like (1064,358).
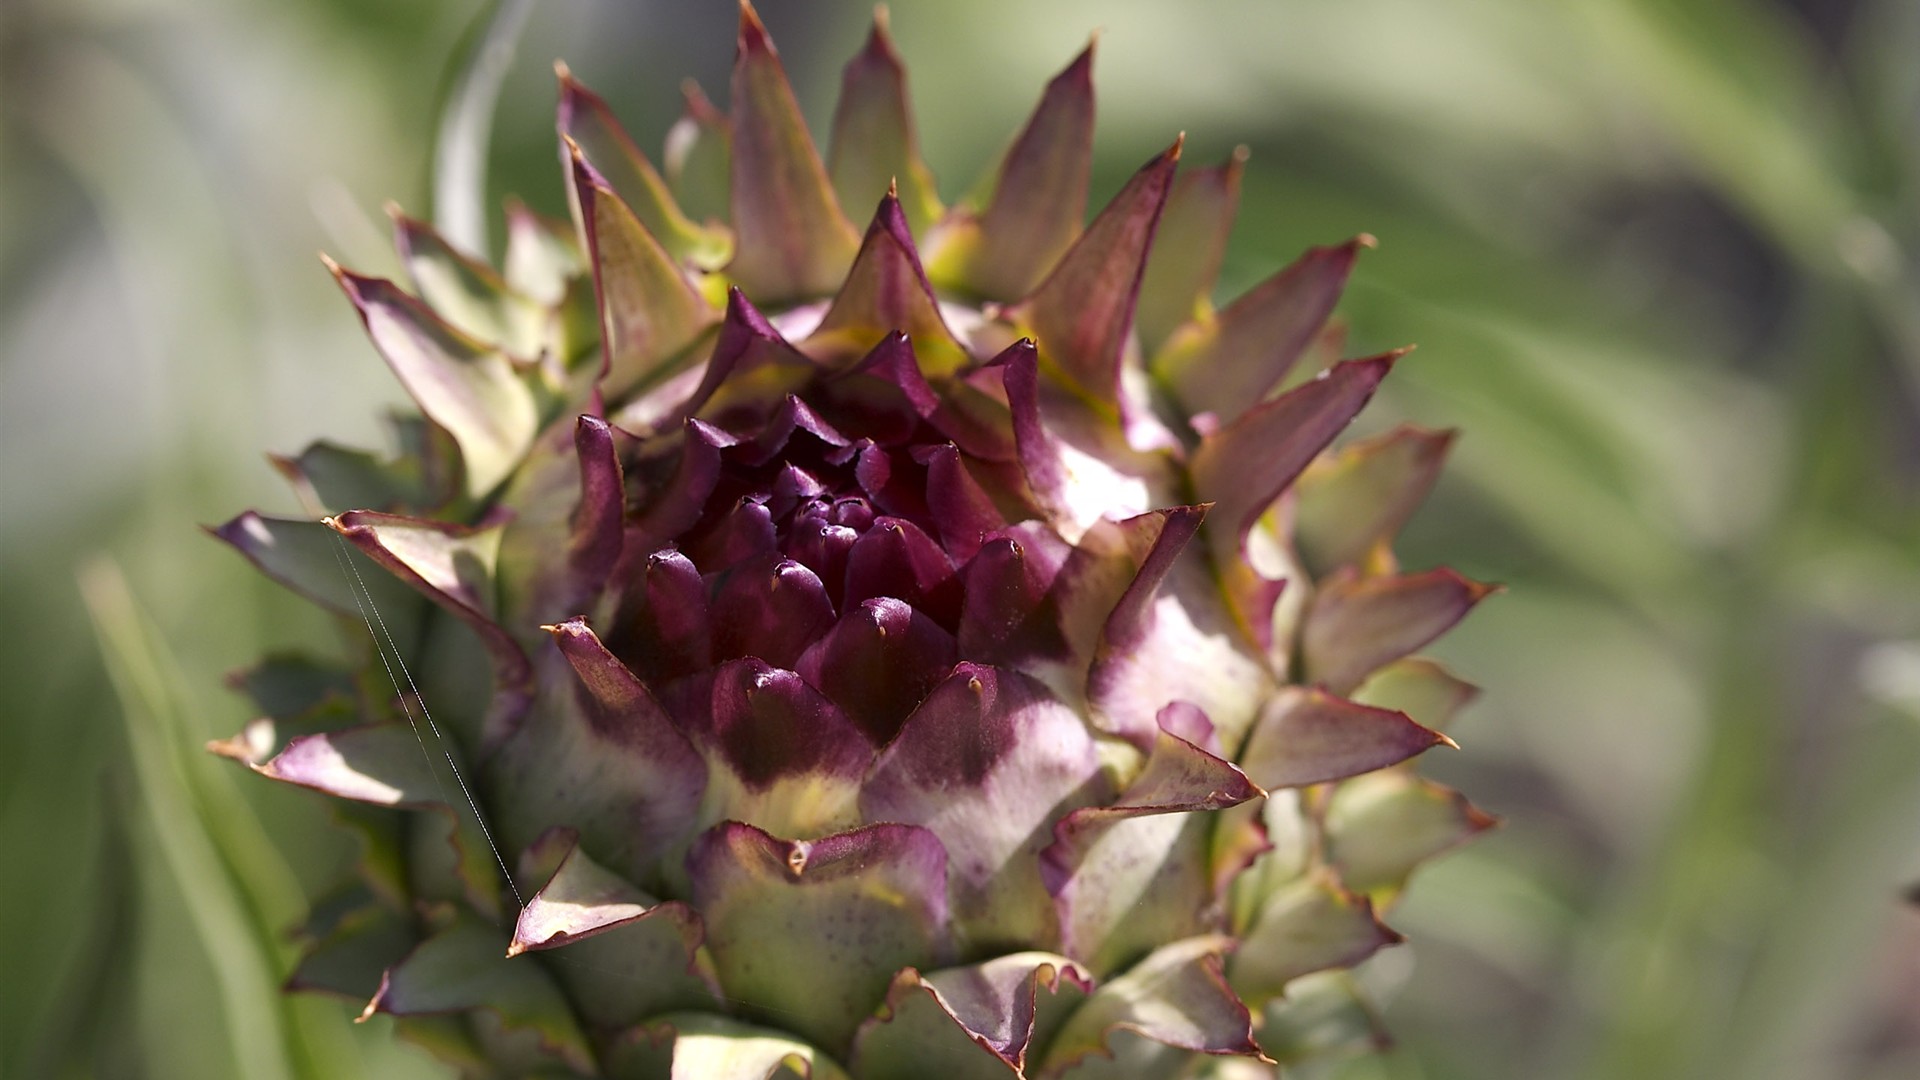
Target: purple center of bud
(814,547)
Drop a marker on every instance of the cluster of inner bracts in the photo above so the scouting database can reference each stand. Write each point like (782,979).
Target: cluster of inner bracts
(972,657)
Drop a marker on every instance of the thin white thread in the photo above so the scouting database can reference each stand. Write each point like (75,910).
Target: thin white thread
(472,803)
(425,755)
(342,555)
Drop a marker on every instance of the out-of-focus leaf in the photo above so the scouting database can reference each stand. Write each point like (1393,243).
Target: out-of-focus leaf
(214,863)
(466,127)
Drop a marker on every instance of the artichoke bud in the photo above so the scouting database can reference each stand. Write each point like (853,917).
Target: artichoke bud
(861,635)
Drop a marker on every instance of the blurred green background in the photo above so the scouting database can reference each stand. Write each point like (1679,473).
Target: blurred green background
(1660,258)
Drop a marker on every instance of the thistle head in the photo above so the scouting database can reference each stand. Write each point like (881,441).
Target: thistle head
(944,637)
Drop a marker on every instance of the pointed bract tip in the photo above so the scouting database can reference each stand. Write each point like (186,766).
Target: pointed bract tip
(1443,739)
(1365,240)
(1388,358)
(393,211)
(583,170)
(1172,153)
(233,748)
(737,302)
(1476,590)
(698,104)
(1022,349)
(350,283)
(1082,66)
(753,32)
(373,1004)
(1239,156)
(515,948)
(1431,439)
(880,39)
(893,188)
(563,73)
(1385,361)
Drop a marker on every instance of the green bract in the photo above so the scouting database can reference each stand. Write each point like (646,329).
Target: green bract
(944,649)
